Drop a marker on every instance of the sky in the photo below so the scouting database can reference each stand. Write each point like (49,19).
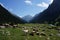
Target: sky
(25,7)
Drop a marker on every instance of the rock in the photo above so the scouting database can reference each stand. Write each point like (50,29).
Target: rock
(2,26)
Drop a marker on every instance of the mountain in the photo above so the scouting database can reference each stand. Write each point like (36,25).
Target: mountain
(50,15)
(8,17)
(27,18)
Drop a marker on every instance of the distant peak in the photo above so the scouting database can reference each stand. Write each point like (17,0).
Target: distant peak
(28,16)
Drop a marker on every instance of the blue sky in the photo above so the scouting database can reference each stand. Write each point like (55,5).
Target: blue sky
(25,7)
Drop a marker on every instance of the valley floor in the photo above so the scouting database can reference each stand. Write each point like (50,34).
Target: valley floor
(42,32)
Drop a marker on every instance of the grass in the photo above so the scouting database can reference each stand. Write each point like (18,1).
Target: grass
(17,33)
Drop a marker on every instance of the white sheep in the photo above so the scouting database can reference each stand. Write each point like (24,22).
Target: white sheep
(26,31)
(2,26)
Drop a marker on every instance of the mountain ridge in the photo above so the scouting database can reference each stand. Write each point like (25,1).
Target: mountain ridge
(6,16)
(49,15)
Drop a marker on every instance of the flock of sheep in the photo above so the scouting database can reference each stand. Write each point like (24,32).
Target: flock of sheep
(7,25)
(33,30)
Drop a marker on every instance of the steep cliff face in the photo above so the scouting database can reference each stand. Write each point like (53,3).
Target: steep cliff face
(49,15)
(6,16)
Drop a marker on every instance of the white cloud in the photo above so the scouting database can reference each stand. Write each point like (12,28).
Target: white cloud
(28,2)
(51,1)
(43,4)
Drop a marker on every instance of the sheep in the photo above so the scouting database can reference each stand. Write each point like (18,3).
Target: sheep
(37,33)
(24,27)
(25,31)
(51,25)
(43,34)
(36,30)
(14,26)
(48,38)
(6,25)
(32,34)
(2,26)
(51,35)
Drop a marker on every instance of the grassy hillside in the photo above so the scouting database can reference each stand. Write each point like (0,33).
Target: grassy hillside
(51,32)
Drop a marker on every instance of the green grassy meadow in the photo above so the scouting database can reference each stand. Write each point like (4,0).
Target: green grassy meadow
(18,34)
